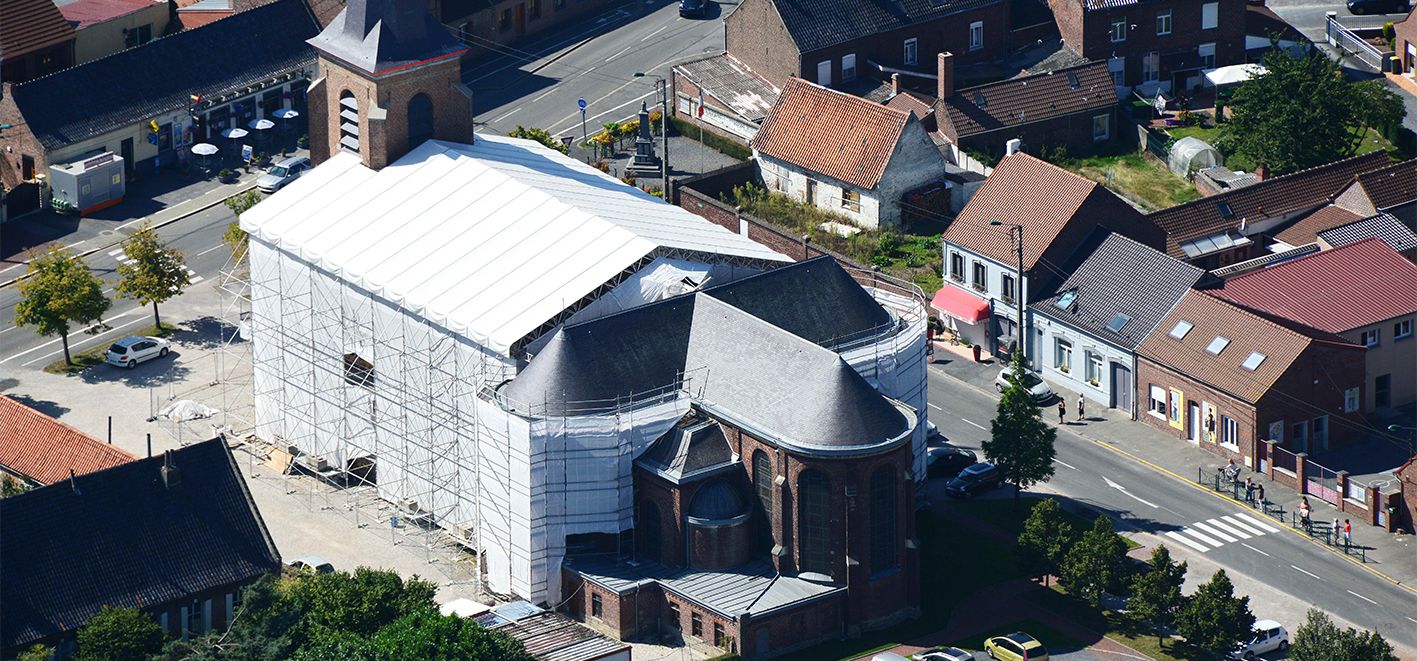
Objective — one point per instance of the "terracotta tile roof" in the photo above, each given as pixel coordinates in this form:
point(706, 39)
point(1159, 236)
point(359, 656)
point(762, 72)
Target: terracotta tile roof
point(1028, 99)
point(839, 135)
point(1306, 230)
point(83, 13)
point(1248, 333)
point(914, 103)
point(44, 449)
point(1271, 197)
point(29, 25)
point(1334, 290)
point(1392, 185)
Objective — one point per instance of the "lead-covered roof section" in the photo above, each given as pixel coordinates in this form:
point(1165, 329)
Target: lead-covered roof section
point(380, 36)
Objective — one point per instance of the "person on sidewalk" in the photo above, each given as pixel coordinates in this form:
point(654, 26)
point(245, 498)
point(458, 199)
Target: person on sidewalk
point(1333, 531)
point(1347, 533)
point(1249, 491)
point(1304, 513)
point(1081, 412)
point(1062, 410)
point(1259, 495)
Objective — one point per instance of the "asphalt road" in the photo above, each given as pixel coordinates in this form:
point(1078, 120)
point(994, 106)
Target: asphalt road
point(197, 236)
point(1308, 17)
point(1142, 498)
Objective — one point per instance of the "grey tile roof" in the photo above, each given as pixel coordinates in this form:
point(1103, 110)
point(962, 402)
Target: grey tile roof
point(815, 300)
point(815, 24)
point(551, 636)
point(124, 539)
point(694, 448)
point(159, 77)
point(728, 80)
point(1122, 276)
point(383, 35)
point(1384, 226)
point(783, 388)
point(754, 588)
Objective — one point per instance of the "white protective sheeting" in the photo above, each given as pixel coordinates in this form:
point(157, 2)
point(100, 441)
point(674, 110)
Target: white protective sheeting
point(489, 239)
point(1233, 74)
point(895, 365)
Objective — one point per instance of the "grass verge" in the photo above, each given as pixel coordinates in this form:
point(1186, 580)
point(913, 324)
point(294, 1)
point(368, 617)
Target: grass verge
point(1004, 514)
point(1119, 627)
point(95, 355)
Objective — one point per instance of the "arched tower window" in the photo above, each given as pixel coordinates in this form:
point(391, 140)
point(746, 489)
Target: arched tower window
point(884, 526)
point(420, 120)
point(348, 122)
point(648, 531)
point(814, 522)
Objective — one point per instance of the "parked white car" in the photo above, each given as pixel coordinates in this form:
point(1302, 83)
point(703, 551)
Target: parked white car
point(943, 654)
point(1040, 390)
point(1268, 636)
point(310, 563)
point(282, 173)
point(134, 349)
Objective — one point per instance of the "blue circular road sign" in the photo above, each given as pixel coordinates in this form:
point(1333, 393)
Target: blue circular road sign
point(581, 103)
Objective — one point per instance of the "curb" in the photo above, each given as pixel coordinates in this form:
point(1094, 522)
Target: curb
point(241, 188)
point(1284, 526)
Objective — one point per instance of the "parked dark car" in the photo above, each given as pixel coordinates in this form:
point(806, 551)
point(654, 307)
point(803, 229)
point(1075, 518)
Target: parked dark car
point(974, 480)
point(1379, 6)
point(947, 461)
point(693, 8)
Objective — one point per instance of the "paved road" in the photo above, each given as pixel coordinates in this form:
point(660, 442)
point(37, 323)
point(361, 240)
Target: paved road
point(198, 237)
point(540, 88)
point(1308, 16)
point(1194, 523)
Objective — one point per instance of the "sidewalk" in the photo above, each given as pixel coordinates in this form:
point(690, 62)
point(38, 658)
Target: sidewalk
point(1392, 556)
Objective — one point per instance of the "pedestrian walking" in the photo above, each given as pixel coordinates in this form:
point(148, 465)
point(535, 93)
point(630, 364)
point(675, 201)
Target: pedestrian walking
point(1334, 530)
point(1259, 495)
point(1081, 411)
point(1062, 410)
point(1249, 491)
point(1304, 513)
point(1347, 533)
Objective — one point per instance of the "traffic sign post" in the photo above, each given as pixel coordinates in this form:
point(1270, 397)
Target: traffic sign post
point(582, 105)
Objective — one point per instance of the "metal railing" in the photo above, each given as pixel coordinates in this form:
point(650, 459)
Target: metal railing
point(1321, 482)
point(1236, 489)
point(1330, 533)
point(1285, 460)
point(1349, 43)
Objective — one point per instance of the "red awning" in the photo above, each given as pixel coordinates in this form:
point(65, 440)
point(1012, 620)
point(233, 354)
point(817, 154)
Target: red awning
point(960, 304)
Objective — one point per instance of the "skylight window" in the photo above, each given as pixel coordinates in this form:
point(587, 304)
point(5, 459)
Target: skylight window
point(1218, 344)
point(1065, 300)
point(979, 100)
point(1253, 362)
point(1118, 322)
point(1225, 210)
point(1182, 327)
point(1073, 81)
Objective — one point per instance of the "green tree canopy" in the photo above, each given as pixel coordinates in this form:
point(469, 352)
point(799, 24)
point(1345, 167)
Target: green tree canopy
point(540, 135)
point(1097, 563)
point(234, 237)
point(60, 292)
point(1020, 443)
point(153, 273)
point(1319, 639)
point(1214, 619)
point(1302, 113)
point(119, 634)
point(1045, 538)
point(1156, 593)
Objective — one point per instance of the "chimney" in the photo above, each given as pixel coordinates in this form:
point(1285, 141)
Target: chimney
point(1262, 172)
point(895, 84)
point(171, 477)
point(945, 76)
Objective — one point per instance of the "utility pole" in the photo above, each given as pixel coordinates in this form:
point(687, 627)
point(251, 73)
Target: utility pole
point(664, 131)
point(1018, 283)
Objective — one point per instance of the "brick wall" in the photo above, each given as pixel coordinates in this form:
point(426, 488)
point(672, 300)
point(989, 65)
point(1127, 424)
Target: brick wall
point(722, 214)
point(17, 141)
point(755, 35)
point(1071, 131)
point(1091, 34)
point(1150, 373)
point(947, 34)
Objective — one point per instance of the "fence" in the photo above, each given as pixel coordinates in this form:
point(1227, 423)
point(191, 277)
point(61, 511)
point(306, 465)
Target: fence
point(1349, 43)
point(1285, 461)
point(1356, 493)
point(1322, 482)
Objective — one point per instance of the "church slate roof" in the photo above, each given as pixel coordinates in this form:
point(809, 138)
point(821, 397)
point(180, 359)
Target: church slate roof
point(694, 448)
point(380, 36)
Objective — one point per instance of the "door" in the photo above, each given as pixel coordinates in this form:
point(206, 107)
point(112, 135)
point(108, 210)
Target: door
point(521, 18)
point(824, 73)
point(1382, 391)
point(1321, 433)
point(1193, 413)
point(1299, 437)
point(1121, 387)
point(811, 191)
point(126, 151)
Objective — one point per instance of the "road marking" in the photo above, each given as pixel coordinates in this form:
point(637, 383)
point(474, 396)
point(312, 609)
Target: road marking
point(1193, 533)
point(1201, 526)
point(936, 408)
point(544, 94)
point(1364, 598)
point(1060, 461)
point(1306, 572)
point(513, 112)
point(975, 424)
point(1259, 524)
point(195, 280)
point(1410, 619)
point(75, 345)
point(58, 339)
point(1182, 539)
point(1255, 550)
point(215, 247)
point(115, 252)
point(661, 29)
point(1133, 496)
point(1221, 525)
point(1235, 522)
point(627, 49)
point(8, 329)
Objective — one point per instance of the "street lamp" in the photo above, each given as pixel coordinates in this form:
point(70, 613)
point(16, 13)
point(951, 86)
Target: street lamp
point(1411, 435)
point(1018, 281)
point(664, 129)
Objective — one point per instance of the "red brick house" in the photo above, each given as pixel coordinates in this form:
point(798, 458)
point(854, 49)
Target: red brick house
point(1154, 44)
point(836, 42)
point(1226, 378)
point(35, 40)
point(37, 449)
point(1407, 484)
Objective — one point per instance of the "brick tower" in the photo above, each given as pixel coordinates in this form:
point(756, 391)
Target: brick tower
point(390, 78)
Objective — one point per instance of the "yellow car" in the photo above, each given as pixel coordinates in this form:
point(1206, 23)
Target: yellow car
point(1017, 646)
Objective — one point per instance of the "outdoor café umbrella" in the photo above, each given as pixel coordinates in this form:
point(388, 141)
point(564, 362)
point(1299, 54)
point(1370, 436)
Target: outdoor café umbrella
point(285, 115)
point(261, 124)
point(234, 133)
point(204, 150)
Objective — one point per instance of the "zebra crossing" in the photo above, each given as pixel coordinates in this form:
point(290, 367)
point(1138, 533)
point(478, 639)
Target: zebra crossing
point(1214, 533)
point(123, 258)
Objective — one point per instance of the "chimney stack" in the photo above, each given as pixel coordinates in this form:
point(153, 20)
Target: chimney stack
point(171, 477)
point(895, 84)
point(1262, 172)
point(945, 76)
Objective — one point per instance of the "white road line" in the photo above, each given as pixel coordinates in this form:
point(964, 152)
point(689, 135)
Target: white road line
point(1255, 550)
point(566, 122)
point(75, 345)
point(544, 94)
point(627, 49)
point(1200, 525)
point(8, 329)
point(1129, 494)
point(1060, 461)
point(646, 37)
point(1410, 619)
point(215, 247)
point(513, 112)
point(1182, 539)
point(195, 280)
point(1364, 598)
point(115, 252)
point(1241, 525)
point(936, 407)
point(1306, 572)
point(1221, 525)
point(1259, 524)
point(975, 424)
point(1193, 533)
point(57, 340)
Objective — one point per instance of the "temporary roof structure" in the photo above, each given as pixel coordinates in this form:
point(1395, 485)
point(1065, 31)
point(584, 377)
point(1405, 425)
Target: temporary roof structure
point(1235, 73)
point(490, 239)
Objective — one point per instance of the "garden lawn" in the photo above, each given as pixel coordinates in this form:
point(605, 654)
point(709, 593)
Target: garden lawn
point(1373, 140)
point(1144, 181)
point(95, 355)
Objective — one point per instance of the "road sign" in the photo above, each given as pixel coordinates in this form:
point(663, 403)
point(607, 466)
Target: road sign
point(580, 103)
point(246, 153)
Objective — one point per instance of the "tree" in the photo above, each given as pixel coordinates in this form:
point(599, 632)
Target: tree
point(10, 486)
point(1319, 639)
point(424, 634)
point(235, 237)
point(37, 652)
point(1096, 564)
point(1214, 619)
point(119, 634)
point(1301, 113)
point(540, 135)
point(1020, 443)
point(1045, 539)
point(153, 273)
point(1156, 592)
point(59, 292)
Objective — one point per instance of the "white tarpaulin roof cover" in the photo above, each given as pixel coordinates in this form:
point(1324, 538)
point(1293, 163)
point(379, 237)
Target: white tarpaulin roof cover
point(490, 239)
point(1235, 73)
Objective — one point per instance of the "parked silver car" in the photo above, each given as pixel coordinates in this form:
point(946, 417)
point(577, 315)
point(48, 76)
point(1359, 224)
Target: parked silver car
point(1040, 390)
point(130, 351)
point(1267, 636)
point(282, 173)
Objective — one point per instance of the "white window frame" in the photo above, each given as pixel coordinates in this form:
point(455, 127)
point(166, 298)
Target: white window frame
point(1117, 67)
point(1094, 367)
point(961, 275)
point(1119, 30)
point(1371, 338)
point(1062, 355)
point(851, 199)
point(1229, 432)
point(1210, 16)
point(1156, 404)
point(1350, 399)
point(1105, 122)
point(1008, 286)
point(824, 73)
point(1163, 23)
point(979, 282)
point(1206, 53)
point(911, 52)
point(1151, 67)
point(1402, 330)
point(976, 35)
point(848, 67)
